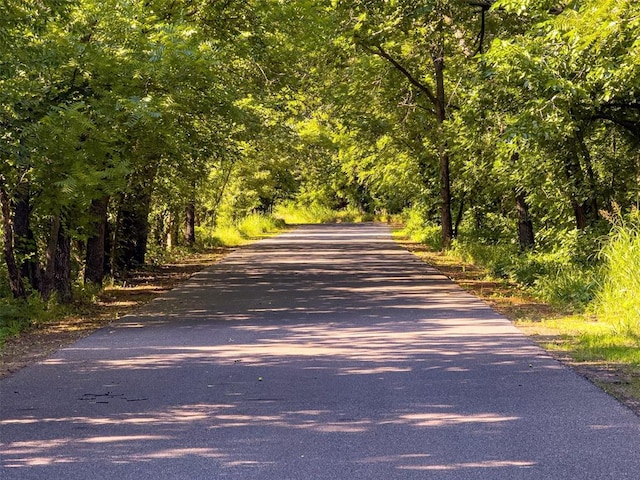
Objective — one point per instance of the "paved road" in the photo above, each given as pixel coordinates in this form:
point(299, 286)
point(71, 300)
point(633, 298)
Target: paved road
point(325, 353)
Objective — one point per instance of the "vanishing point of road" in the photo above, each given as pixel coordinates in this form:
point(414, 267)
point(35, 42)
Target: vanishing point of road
point(325, 353)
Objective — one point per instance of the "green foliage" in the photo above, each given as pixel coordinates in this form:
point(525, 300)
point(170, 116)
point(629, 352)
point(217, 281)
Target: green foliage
point(238, 233)
point(18, 315)
point(420, 230)
point(618, 301)
point(296, 214)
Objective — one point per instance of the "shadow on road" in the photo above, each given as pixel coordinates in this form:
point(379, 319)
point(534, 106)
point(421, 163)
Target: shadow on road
point(325, 353)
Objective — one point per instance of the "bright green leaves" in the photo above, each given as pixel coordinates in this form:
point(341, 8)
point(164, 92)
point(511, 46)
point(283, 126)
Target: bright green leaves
point(234, 106)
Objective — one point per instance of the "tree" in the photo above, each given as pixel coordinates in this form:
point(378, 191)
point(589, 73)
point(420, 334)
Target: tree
point(405, 35)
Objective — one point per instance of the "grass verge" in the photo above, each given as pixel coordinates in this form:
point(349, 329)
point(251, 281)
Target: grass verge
point(234, 234)
point(594, 348)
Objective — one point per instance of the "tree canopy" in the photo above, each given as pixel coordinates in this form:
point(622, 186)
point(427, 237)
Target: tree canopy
point(124, 122)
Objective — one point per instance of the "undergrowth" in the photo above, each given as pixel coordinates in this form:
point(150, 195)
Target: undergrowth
point(564, 273)
point(18, 315)
point(618, 300)
point(295, 214)
point(233, 234)
point(590, 278)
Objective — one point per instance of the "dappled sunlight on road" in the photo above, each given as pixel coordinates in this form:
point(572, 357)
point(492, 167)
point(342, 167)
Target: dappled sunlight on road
point(469, 465)
point(301, 357)
point(171, 424)
point(440, 419)
point(379, 345)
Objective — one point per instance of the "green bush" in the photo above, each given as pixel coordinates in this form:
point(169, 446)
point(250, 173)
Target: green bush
point(421, 231)
point(18, 315)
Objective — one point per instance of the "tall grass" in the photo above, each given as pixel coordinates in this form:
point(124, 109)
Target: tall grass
point(419, 230)
point(294, 214)
point(257, 225)
point(618, 301)
point(233, 234)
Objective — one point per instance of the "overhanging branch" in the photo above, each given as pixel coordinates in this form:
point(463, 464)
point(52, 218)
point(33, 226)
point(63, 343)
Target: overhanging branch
point(381, 52)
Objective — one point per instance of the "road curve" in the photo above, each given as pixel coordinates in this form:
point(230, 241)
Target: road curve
point(325, 353)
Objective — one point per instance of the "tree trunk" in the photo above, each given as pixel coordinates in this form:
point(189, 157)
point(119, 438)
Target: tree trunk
point(47, 283)
point(15, 279)
point(190, 227)
point(582, 194)
point(62, 266)
point(96, 244)
point(132, 228)
point(526, 236)
point(130, 246)
point(445, 179)
point(25, 244)
point(439, 102)
point(581, 208)
point(593, 184)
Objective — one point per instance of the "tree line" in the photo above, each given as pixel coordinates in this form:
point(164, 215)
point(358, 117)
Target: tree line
point(129, 123)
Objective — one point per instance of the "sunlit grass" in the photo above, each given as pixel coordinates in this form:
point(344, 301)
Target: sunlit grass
point(294, 214)
point(234, 234)
point(256, 225)
point(598, 349)
point(618, 301)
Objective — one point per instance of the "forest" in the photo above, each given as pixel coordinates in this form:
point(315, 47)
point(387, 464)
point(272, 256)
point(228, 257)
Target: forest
point(503, 131)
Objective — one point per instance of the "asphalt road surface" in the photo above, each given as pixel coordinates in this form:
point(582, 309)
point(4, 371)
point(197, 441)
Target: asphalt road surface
point(325, 353)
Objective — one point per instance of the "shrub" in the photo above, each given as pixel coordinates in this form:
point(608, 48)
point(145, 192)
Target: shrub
point(421, 231)
point(18, 315)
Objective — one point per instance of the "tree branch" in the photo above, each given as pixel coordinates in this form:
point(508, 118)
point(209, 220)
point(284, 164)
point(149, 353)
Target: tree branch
point(415, 82)
point(481, 35)
point(631, 126)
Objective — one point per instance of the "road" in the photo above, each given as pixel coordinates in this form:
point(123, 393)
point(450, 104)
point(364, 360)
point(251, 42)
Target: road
point(325, 353)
